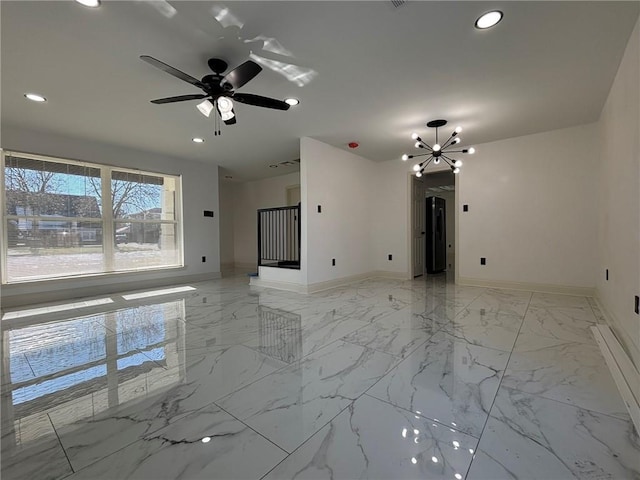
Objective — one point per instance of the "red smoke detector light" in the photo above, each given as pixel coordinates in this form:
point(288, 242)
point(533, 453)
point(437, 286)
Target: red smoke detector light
point(353, 145)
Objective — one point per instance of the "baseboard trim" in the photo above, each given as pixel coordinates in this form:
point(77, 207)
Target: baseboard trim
point(624, 374)
point(391, 275)
point(287, 286)
point(329, 284)
point(534, 287)
point(627, 344)
point(338, 282)
point(63, 294)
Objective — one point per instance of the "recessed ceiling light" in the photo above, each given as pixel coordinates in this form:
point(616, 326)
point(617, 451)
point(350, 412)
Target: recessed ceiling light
point(197, 140)
point(89, 3)
point(292, 101)
point(35, 97)
point(489, 19)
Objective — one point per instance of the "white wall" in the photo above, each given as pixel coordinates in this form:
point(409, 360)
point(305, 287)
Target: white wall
point(343, 184)
point(531, 210)
point(226, 199)
point(619, 200)
point(248, 198)
point(199, 192)
point(390, 217)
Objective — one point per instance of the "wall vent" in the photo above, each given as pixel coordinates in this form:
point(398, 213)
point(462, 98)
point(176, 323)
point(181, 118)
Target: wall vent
point(398, 3)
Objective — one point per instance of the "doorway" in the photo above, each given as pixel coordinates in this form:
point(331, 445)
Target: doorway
point(293, 195)
point(436, 184)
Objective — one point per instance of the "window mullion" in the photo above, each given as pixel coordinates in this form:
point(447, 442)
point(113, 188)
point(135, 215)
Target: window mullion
point(108, 235)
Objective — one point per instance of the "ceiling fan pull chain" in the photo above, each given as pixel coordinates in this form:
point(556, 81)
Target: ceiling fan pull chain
point(215, 118)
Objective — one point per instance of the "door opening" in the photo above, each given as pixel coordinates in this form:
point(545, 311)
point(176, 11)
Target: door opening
point(440, 184)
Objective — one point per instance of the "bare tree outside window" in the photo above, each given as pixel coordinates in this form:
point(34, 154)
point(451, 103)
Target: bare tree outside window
point(55, 219)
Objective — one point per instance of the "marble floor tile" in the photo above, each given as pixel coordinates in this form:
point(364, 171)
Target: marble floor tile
point(509, 302)
point(532, 437)
point(396, 334)
point(382, 378)
point(573, 373)
point(31, 449)
point(486, 329)
point(209, 443)
point(290, 405)
point(289, 337)
point(600, 318)
point(375, 440)
point(446, 380)
point(554, 300)
point(547, 326)
point(204, 376)
point(17, 368)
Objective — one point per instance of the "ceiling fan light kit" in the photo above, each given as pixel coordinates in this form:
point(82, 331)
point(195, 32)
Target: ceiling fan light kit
point(438, 152)
point(219, 91)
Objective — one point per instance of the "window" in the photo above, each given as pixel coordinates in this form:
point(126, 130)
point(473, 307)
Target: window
point(64, 218)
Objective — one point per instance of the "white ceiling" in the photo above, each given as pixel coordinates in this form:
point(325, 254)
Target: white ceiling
point(378, 72)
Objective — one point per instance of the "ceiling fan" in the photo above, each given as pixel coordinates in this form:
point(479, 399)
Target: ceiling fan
point(219, 90)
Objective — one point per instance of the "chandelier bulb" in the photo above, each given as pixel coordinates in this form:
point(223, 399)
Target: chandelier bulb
point(457, 163)
point(436, 147)
point(418, 174)
point(405, 157)
point(472, 151)
point(457, 140)
point(436, 161)
point(456, 170)
point(418, 145)
point(458, 129)
point(416, 167)
point(415, 136)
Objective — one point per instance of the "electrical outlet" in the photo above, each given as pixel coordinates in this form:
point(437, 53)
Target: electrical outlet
point(465, 208)
point(390, 257)
point(204, 259)
point(208, 213)
point(333, 262)
point(319, 208)
point(483, 261)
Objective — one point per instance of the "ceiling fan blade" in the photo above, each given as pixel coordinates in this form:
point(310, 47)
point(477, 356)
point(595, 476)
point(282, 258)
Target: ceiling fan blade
point(260, 101)
point(242, 74)
point(172, 71)
point(180, 98)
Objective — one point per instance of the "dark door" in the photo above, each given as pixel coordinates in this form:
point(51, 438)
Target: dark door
point(436, 252)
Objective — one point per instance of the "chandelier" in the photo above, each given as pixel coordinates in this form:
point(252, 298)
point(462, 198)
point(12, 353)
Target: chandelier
point(438, 152)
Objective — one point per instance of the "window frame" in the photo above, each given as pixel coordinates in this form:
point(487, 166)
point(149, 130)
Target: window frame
point(107, 220)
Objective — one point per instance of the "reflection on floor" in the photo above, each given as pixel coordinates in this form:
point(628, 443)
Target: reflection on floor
point(382, 379)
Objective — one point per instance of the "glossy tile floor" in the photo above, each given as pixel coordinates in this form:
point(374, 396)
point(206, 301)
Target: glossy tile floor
point(382, 379)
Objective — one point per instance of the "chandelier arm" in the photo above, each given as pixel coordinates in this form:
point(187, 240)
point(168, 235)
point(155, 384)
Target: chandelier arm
point(426, 162)
point(426, 144)
point(455, 151)
point(448, 142)
point(447, 160)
